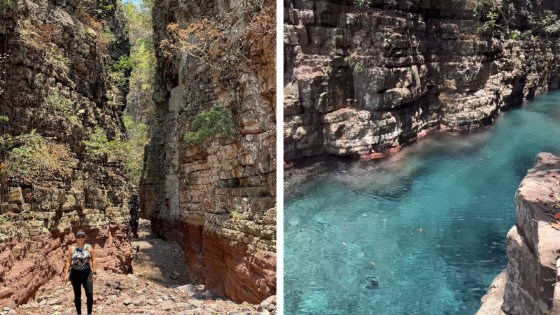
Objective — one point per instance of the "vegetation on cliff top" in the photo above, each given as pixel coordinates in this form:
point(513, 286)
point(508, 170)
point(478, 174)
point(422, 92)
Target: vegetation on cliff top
point(228, 52)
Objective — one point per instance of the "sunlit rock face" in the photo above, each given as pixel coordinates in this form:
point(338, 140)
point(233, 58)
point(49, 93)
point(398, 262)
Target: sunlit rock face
point(361, 80)
point(217, 198)
point(531, 285)
point(57, 83)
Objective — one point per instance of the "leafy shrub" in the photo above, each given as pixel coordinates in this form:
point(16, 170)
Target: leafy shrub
point(61, 106)
point(98, 146)
point(30, 156)
point(129, 152)
point(353, 62)
point(362, 3)
point(235, 216)
point(125, 64)
point(551, 23)
point(59, 103)
point(491, 18)
point(215, 121)
point(121, 69)
point(481, 8)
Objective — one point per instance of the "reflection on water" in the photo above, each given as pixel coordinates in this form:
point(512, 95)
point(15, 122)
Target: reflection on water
point(421, 232)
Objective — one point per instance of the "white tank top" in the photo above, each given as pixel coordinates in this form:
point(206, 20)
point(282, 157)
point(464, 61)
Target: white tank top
point(81, 257)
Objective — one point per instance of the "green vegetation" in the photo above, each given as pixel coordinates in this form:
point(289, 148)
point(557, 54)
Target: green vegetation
point(235, 216)
point(353, 62)
point(3, 219)
point(29, 157)
point(59, 103)
point(99, 9)
point(62, 106)
point(481, 8)
point(362, 3)
point(142, 62)
point(121, 70)
point(63, 62)
point(551, 23)
point(125, 64)
point(491, 19)
point(137, 139)
point(216, 121)
point(98, 145)
point(129, 152)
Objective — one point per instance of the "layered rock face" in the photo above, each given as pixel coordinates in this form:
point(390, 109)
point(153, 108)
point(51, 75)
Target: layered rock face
point(57, 83)
point(364, 79)
point(530, 283)
point(217, 198)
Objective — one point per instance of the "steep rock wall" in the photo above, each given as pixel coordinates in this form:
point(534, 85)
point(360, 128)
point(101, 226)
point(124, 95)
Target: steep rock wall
point(55, 80)
point(364, 80)
point(216, 199)
point(530, 283)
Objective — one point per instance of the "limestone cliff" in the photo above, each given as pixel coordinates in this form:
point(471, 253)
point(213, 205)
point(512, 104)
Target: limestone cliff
point(215, 195)
point(530, 283)
point(365, 77)
point(56, 90)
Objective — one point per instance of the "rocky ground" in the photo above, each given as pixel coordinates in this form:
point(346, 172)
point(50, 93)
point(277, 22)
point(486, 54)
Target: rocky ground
point(156, 287)
point(157, 260)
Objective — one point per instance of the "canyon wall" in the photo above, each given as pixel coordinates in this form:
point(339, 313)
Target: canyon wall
point(215, 197)
point(56, 89)
point(530, 283)
point(363, 78)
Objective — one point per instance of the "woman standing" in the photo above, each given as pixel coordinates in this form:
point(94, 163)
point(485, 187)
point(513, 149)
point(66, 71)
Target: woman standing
point(82, 261)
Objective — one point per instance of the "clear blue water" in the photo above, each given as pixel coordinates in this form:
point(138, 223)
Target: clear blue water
point(458, 189)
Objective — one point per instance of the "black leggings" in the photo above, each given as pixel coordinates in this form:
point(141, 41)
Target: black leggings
point(79, 278)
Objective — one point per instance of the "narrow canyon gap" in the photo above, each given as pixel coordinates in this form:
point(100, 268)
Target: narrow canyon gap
point(77, 108)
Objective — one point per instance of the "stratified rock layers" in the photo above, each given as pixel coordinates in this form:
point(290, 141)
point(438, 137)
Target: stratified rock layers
point(57, 83)
point(361, 80)
point(217, 199)
point(533, 248)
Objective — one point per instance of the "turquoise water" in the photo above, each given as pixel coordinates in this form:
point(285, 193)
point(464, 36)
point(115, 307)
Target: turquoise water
point(458, 189)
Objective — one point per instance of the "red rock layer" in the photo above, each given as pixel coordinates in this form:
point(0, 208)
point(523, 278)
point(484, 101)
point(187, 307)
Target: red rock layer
point(26, 265)
point(225, 267)
point(59, 86)
point(215, 198)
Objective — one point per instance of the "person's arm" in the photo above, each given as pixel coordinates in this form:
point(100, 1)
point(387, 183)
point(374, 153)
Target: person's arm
point(93, 262)
point(68, 262)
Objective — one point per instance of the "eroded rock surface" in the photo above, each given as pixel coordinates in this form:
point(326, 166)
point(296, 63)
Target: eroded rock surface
point(120, 294)
point(57, 83)
point(362, 80)
point(533, 247)
point(216, 199)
